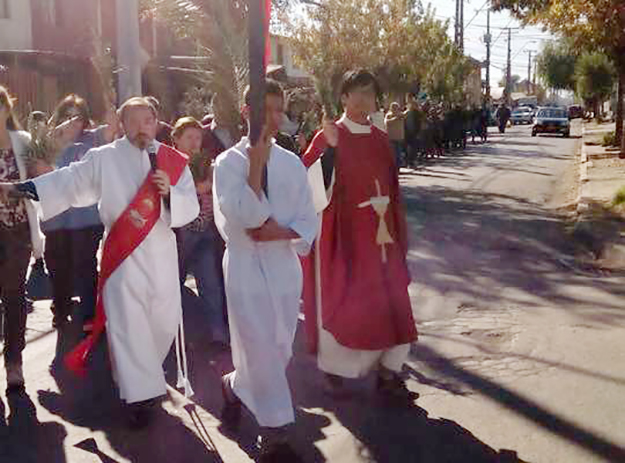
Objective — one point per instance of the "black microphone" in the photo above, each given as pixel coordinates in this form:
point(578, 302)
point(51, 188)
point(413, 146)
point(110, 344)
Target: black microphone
point(152, 155)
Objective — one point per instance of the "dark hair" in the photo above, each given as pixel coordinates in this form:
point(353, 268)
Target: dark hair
point(154, 102)
point(272, 87)
point(71, 101)
point(6, 100)
point(359, 78)
point(183, 124)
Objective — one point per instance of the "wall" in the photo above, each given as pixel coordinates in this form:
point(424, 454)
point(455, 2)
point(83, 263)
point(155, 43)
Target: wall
point(16, 32)
point(292, 71)
point(69, 26)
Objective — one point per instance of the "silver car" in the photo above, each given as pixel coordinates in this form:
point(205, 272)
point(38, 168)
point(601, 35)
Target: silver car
point(521, 116)
point(552, 120)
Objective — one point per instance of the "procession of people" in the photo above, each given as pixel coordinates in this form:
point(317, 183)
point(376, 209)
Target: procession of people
point(321, 232)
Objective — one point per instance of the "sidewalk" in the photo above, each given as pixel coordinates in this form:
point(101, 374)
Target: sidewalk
point(602, 174)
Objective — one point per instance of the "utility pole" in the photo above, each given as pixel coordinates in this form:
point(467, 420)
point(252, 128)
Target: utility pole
point(529, 72)
point(462, 26)
point(128, 49)
point(488, 39)
point(459, 25)
point(508, 89)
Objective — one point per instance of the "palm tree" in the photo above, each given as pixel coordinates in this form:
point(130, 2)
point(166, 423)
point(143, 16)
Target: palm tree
point(217, 28)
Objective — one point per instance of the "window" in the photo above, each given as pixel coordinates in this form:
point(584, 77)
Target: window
point(58, 13)
point(4, 9)
point(55, 12)
point(280, 51)
point(98, 13)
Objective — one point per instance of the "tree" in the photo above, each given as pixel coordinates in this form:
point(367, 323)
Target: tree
point(594, 76)
point(599, 24)
point(398, 41)
point(214, 29)
point(556, 65)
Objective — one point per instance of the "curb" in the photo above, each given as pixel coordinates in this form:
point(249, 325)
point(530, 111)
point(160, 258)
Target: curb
point(583, 203)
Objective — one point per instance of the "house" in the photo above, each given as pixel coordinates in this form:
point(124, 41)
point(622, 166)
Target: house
point(282, 62)
point(15, 25)
point(473, 83)
point(46, 48)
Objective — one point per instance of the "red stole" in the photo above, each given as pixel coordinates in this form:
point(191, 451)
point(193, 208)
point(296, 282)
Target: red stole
point(126, 234)
point(364, 284)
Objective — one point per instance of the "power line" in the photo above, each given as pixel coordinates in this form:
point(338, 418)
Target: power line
point(502, 32)
point(476, 13)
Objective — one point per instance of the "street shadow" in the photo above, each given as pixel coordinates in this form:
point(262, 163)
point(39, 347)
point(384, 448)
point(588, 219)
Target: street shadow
point(376, 431)
point(515, 402)
point(474, 244)
point(454, 389)
point(23, 438)
point(93, 403)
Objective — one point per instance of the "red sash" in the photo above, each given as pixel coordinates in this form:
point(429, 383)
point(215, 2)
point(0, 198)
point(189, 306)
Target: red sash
point(126, 234)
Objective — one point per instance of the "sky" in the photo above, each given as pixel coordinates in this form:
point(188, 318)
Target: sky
point(523, 40)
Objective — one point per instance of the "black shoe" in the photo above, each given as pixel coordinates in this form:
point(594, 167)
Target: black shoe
point(231, 411)
point(15, 376)
point(140, 414)
point(273, 447)
point(335, 387)
point(394, 388)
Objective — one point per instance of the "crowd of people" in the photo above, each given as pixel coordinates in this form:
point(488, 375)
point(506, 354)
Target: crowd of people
point(131, 207)
point(426, 130)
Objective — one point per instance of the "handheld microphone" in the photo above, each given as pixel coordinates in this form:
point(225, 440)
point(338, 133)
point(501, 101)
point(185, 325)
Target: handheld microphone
point(152, 156)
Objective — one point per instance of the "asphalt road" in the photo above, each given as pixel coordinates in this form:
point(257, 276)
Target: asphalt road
point(521, 355)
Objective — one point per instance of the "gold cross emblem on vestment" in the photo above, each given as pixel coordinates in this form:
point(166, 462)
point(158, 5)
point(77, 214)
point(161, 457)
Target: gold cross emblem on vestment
point(380, 205)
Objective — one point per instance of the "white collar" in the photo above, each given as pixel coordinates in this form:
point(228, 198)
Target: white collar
point(245, 141)
point(124, 140)
point(354, 127)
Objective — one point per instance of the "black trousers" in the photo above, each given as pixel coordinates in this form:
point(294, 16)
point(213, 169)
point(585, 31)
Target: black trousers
point(15, 250)
point(71, 259)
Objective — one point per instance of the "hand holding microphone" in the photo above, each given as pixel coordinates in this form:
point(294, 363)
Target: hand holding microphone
point(159, 177)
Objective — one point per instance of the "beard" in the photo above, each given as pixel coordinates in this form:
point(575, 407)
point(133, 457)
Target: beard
point(141, 141)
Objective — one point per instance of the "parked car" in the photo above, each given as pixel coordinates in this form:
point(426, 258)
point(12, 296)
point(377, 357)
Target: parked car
point(521, 115)
point(576, 111)
point(552, 120)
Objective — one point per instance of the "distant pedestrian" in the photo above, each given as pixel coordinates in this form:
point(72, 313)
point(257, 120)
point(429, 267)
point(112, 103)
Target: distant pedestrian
point(503, 116)
point(395, 126)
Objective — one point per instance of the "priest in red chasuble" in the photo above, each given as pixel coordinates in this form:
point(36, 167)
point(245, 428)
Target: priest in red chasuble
point(358, 312)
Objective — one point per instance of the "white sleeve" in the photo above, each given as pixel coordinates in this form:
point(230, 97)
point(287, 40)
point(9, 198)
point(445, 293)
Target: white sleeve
point(236, 200)
point(320, 195)
point(306, 221)
point(183, 203)
point(77, 185)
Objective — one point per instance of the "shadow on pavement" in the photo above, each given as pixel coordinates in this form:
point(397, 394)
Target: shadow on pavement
point(520, 405)
point(475, 244)
point(93, 403)
point(377, 431)
point(23, 438)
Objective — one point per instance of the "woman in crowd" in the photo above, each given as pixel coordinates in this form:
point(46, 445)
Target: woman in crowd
point(73, 238)
point(19, 236)
point(199, 243)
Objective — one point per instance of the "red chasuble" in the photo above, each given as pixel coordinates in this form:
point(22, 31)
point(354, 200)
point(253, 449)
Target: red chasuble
point(126, 234)
point(362, 249)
